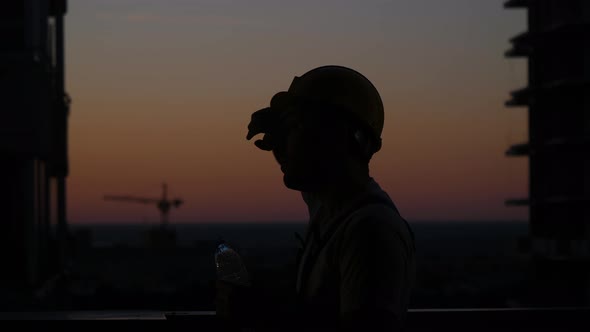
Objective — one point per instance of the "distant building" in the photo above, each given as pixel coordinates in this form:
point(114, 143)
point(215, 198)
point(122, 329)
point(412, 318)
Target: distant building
point(557, 48)
point(33, 144)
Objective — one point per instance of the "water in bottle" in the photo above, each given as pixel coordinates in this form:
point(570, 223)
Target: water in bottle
point(230, 267)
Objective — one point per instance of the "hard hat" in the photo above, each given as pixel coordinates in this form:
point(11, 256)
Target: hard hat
point(332, 87)
point(345, 89)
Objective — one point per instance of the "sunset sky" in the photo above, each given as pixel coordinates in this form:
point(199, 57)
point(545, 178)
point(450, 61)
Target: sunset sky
point(164, 90)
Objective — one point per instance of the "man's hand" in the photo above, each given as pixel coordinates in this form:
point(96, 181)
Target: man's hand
point(234, 303)
point(223, 298)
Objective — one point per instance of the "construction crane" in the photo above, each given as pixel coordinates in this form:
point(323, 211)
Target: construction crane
point(163, 204)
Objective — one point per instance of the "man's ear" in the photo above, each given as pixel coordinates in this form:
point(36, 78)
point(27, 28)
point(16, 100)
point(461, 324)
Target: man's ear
point(362, 143)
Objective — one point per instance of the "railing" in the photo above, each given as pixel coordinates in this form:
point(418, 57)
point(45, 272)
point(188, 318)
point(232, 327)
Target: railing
point(457, 320)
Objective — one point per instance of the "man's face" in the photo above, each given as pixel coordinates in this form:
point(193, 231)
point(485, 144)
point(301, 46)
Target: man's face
point(312, 150)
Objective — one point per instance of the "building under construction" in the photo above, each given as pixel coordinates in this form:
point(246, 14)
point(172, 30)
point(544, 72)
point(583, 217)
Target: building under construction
point(557, 49)
point(33, 148)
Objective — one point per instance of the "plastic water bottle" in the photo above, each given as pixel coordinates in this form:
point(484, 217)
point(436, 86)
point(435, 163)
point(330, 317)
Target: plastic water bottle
point(230, 267)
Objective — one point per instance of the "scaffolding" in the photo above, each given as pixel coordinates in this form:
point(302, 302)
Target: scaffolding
point(558, 100)
point(33, 143)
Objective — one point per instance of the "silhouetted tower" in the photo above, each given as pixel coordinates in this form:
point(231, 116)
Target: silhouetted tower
point(163, 204)
point(34, 110)
point(557, 48)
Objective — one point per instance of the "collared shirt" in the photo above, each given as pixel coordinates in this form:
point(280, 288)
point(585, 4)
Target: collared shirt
point(359, 255)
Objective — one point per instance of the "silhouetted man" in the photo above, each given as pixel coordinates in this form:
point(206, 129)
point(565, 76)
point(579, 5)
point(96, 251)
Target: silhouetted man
point(357, 262)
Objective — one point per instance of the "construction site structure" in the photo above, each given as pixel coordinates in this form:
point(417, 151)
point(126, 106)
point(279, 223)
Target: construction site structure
point(558, 148)
point(164, 235)
point(33, 146)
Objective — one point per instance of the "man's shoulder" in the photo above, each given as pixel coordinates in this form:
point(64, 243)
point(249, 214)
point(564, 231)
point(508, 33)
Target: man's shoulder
point(378, 220)
point(377, 214)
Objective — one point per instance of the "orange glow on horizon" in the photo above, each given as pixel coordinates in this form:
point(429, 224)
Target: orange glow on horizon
point(170, 100)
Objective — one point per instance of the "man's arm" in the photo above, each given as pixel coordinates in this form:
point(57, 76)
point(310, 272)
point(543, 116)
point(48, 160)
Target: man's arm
point(375, 258)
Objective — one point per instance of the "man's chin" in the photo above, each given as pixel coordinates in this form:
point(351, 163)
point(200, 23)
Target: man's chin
point(292, 183)
point(301, 184)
